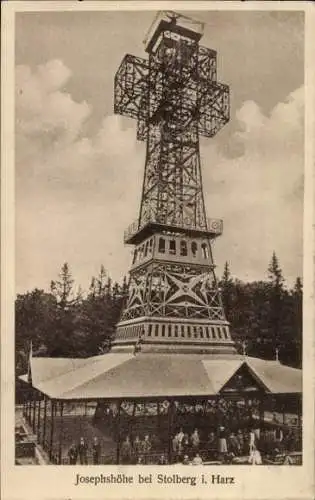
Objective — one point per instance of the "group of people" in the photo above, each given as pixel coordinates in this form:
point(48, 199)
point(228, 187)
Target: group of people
point(79, 452)
point(184, 444)
point(220, 444)
point(224, 445)
point(148, 450)
point(137, 450)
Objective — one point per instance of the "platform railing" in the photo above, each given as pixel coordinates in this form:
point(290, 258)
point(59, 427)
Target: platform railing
point(214, 226)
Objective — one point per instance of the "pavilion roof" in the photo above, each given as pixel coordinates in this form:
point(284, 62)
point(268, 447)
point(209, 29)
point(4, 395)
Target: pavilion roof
point(124, 375)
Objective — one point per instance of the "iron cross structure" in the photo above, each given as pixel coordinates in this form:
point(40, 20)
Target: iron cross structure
point(174, 302)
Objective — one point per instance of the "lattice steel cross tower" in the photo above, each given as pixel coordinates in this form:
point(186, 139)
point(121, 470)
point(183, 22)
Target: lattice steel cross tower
point(174, 303)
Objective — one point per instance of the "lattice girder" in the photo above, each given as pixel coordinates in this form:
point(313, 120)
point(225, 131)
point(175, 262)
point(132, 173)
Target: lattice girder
point(181, 89)
point(175, 97)
point(168, 289)
point(130, 85)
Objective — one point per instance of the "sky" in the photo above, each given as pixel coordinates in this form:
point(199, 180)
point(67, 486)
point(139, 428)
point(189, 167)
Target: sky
point(79, 167)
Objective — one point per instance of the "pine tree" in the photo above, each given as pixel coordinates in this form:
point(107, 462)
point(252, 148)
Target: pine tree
point(98, 314)
point(34, 313)
point(62, 289)
point(298, 287)
point(275, 273)
point(67, 338)
point(298, 320)
point(226, 285)
point(276, 309)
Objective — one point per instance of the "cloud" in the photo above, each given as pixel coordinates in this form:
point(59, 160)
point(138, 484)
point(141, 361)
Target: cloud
point(71, 188)
point(260, 193)
point(283, 128)
point(78, 191)
point(43, 108)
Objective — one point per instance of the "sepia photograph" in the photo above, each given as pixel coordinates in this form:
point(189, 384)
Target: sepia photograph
point(178, 362)
point(159, 222)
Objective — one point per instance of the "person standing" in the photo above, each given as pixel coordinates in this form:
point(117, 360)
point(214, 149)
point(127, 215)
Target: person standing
point(146, 445)
point(252, 441)
point(126, 451)
point(137, 448)
point(240, 439)
point(155, 441)
point(180, 435)
point(222, 445)
point(212, 446)
point(185, 445)
point(278, 438)
point(82, 451)
point(96, 451)
point(233, 444)
point(73, 454)
point(195, 440)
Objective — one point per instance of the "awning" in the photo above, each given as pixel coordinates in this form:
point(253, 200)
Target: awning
point(145, 375)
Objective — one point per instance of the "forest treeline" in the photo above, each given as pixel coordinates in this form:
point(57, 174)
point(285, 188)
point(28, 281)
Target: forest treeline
point(264, 316)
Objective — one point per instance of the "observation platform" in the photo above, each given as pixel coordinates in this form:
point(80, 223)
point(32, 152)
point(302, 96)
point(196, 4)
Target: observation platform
point(136, 233)
point(177, 23)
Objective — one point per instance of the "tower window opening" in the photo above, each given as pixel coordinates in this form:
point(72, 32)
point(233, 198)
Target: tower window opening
point(194, 248)
point(146, 249)
point(169, 330)
point(140, 255)
point(212, 332)
point(163, 330)
point(150, 331)
point(150, 245)
point(201, 332)
point(189, 331)
point(182, 330)
point(172, 247)
point(161, 245)
point(156, 330)
point(183, 248)
point(135, 256)
point(207, 332)
point(176, 331)
point(205, 251)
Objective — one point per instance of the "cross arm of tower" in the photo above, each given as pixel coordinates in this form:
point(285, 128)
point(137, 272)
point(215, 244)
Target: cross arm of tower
point(139, 93)
point(131, 85)
point(213, 107)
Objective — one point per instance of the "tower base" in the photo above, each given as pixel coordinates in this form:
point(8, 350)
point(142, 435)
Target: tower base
point(171, 335)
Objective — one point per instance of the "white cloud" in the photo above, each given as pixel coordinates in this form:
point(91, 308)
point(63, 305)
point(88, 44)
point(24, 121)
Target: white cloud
point(43, 107)
point(259, 193)
point(71, 189)
point(76, 193)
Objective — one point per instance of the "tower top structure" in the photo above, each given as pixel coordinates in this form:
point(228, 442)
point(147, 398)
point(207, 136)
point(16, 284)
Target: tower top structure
point(177, 23)
point(174, 301)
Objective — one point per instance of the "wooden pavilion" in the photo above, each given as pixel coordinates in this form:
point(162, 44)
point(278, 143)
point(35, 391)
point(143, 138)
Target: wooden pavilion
point(124, 394)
